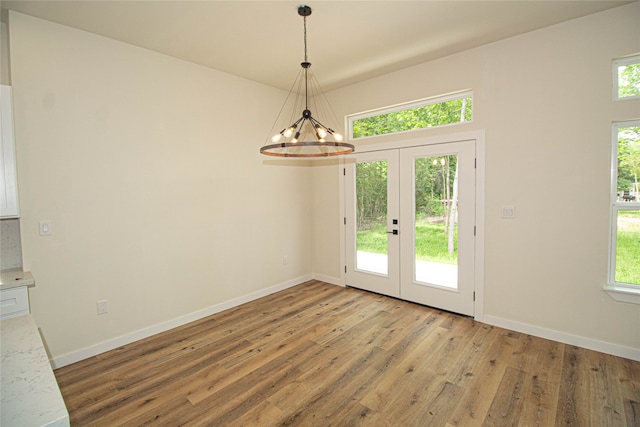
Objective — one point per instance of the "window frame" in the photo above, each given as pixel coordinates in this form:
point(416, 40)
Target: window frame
point(409, 106)
point(624, 292)
point(617, 63)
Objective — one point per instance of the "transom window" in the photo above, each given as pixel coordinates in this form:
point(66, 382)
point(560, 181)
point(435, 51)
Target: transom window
point(424, 113)
point(624, 265)
point(626, 77)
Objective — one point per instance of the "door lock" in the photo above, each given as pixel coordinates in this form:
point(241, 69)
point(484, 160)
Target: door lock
point(395, 222)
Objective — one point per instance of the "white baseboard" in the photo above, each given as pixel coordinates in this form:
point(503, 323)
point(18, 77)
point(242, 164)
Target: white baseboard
point(563, 337)
point(328, 279)
point(580, 341)
point(85, 353)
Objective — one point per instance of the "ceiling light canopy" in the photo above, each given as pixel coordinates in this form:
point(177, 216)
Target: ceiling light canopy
point(302, 134)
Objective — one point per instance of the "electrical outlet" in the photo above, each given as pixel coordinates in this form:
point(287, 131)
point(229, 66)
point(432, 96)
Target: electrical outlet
point(285, 260)
point(102, 306)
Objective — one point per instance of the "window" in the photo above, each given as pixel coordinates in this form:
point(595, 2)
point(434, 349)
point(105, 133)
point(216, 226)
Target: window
point(624, 256)
point(425, 113)
point(626, 77)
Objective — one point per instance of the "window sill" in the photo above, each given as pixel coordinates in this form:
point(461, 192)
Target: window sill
point(624, 293)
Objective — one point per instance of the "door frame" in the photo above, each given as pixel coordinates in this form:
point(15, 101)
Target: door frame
point(479, 137)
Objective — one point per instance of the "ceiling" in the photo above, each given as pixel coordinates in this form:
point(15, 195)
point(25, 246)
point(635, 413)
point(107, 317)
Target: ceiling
point(348, 41)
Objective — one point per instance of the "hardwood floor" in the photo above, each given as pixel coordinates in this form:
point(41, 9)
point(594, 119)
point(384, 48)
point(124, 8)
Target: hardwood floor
point(320, 355)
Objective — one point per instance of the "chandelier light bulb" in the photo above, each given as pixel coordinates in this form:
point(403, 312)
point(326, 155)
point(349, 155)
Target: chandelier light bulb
point(277, 137)
point(337, 136)
point(289, 132)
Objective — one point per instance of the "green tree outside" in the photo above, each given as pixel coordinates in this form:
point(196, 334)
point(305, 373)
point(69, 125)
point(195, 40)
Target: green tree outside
point(448, 112)
point(629, 161)
point(629, 80)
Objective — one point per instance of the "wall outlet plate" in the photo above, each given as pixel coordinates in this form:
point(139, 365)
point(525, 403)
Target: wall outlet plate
point(102, 306)
point(508, 212)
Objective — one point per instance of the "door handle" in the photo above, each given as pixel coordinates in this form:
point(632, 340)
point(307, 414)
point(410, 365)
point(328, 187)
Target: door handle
point(392, 232)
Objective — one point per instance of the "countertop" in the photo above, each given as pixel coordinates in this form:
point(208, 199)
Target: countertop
point(30, 393)
point(14, 278)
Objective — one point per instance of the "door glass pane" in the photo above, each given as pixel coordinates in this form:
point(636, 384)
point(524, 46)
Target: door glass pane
point(436, 220)
point(371, 217)
point(628, 247)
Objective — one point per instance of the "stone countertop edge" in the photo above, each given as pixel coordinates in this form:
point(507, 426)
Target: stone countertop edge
point(30, 393)
point(14, 278)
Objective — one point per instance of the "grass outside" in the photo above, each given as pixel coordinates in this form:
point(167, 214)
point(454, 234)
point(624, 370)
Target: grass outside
point(431, 244)
point(628, 247)
point(431, 241)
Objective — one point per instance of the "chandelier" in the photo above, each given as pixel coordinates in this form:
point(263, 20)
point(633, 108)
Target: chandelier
point(304, 135)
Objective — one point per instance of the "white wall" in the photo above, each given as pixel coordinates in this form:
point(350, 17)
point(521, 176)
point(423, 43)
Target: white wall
point(544, 100)
point(148, 168)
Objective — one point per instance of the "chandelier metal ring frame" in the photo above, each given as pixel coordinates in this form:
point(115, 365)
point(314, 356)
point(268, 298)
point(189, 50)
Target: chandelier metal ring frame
point(292, 140)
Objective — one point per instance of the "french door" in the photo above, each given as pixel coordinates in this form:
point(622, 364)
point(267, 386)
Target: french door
point(410, 224)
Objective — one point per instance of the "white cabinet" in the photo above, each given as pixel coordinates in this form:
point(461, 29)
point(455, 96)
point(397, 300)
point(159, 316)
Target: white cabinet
point(8, 177)
point(14, 295)
point(14, 302)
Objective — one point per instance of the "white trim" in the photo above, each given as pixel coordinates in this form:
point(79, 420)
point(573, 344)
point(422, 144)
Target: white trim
point(478, 313)
point(620, 62)
point(338, 281)
point(621, 292)
point(563, 337)
point(84, 353)
point(630, 294)
point(414, 142)
point(343, 227)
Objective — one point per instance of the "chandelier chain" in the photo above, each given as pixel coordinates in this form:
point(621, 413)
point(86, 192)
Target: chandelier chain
point(305, 39)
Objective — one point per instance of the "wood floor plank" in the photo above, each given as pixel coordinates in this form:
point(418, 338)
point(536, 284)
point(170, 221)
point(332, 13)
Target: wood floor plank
point(628, 374)
point(439, 403)
point(473, 353)
point(506, 408)
point(322, 355)
point(455, 337)
point(629, 377)
point(632, 412)
point(539, 359)
point(483, 378)
point(355, 415)
point(382, 396)
point(574, 397)
point(606, 394)
point(540, 399)
point(262, 414)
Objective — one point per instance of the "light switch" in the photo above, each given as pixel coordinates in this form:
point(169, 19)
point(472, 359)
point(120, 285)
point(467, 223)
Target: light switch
point(508, 212)
point(45, 228)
